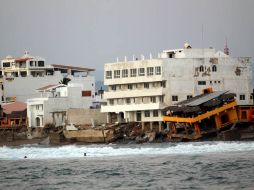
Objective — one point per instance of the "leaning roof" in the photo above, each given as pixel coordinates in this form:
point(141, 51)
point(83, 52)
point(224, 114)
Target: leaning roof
point(50, 87)
point(71, 67)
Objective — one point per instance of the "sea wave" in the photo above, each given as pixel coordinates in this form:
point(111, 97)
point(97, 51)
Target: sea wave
point(76, 151)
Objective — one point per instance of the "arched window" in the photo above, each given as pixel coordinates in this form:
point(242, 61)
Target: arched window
point(201, 68)
point(37, 121)
point(214, 68)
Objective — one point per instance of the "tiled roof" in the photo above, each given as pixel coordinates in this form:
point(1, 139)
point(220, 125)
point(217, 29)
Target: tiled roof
point(21, 59)
point(71, 67)
point(15, 106)
point(46, 87)
point(49, 87)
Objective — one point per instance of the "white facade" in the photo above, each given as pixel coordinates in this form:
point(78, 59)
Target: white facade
point(23, 75)
point(54, 102)
point(139, 89)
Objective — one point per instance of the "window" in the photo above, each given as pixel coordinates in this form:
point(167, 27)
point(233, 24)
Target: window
point(86, 93)
point(158, 70)
point(125, 73)
point(111, 102)
point(174, 98)
point(37, 119)
point(146, 85)
point(6, 64)
point(113, 87)
point(189, 97)
point(128, 100)
point(40, 63)
point(116, 73)
point(201, 68)
point(251, 96)
point(147, 113)
point(153, 99)
point(31, 63)
point(218, 81)
point(149, 71)
point(161, 98)
point(130, 86)
point(141, 71)
point(163, 84)
point(108, 74)
point(155, 113)
point(133, 72)
point(242, 97)
point(244, 114)
point(201, 82)
point(214, 68)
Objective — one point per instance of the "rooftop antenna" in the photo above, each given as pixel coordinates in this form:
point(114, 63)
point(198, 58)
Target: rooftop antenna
point(226, 49)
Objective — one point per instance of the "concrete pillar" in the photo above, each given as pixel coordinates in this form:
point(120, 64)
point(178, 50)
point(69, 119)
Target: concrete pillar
point(151, 126)
point(143, 126)
point(168, 125)
point(108, 118)
point(160, 129)
point(119, 119)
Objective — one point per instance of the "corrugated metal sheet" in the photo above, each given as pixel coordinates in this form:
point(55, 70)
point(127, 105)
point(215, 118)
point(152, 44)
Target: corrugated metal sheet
point(205, 98)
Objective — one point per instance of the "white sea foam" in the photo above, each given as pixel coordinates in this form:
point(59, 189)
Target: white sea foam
point(75, 151)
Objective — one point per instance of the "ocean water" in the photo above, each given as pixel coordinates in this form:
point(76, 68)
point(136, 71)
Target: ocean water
point(200, 165)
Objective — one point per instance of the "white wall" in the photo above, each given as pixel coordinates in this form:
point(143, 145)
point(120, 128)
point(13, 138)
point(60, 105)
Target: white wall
point(24, 88)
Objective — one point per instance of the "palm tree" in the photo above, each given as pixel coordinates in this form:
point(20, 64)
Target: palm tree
point(65, 80)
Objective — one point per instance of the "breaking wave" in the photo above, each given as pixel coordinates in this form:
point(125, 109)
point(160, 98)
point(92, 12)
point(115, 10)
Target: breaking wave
point(76, 151)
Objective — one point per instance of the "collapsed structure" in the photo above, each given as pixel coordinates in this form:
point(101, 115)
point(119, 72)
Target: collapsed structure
point(207, 115)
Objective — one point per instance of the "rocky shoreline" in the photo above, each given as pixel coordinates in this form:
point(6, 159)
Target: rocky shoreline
point(115, 133)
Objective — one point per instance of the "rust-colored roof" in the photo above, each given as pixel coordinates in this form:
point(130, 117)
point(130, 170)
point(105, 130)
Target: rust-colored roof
point(46, 87)
point(71, 67)
point(15, 106)
point(21, 59)
point(49, 87)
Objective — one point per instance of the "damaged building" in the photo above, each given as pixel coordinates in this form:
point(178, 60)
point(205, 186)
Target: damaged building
point(139, 89)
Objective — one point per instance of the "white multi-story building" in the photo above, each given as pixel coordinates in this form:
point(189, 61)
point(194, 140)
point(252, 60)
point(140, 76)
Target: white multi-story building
point(51, 107)
point(23, 75)
point(138, 90)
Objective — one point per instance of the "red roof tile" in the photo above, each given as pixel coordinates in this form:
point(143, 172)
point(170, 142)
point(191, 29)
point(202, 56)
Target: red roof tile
point(46, 87)
point(21, 59)
point(71, 67)
point(15, 106)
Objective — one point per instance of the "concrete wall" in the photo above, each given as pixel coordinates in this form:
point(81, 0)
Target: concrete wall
point(84, 116)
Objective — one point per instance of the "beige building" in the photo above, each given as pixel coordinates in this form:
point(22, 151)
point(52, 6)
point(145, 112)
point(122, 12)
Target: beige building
point(139, 89)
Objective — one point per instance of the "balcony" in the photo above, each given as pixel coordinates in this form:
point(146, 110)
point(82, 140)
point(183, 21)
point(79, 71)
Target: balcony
point(134, 93)
point(132, 107)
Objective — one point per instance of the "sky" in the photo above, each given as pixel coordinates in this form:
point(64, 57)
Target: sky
point(90, 33)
